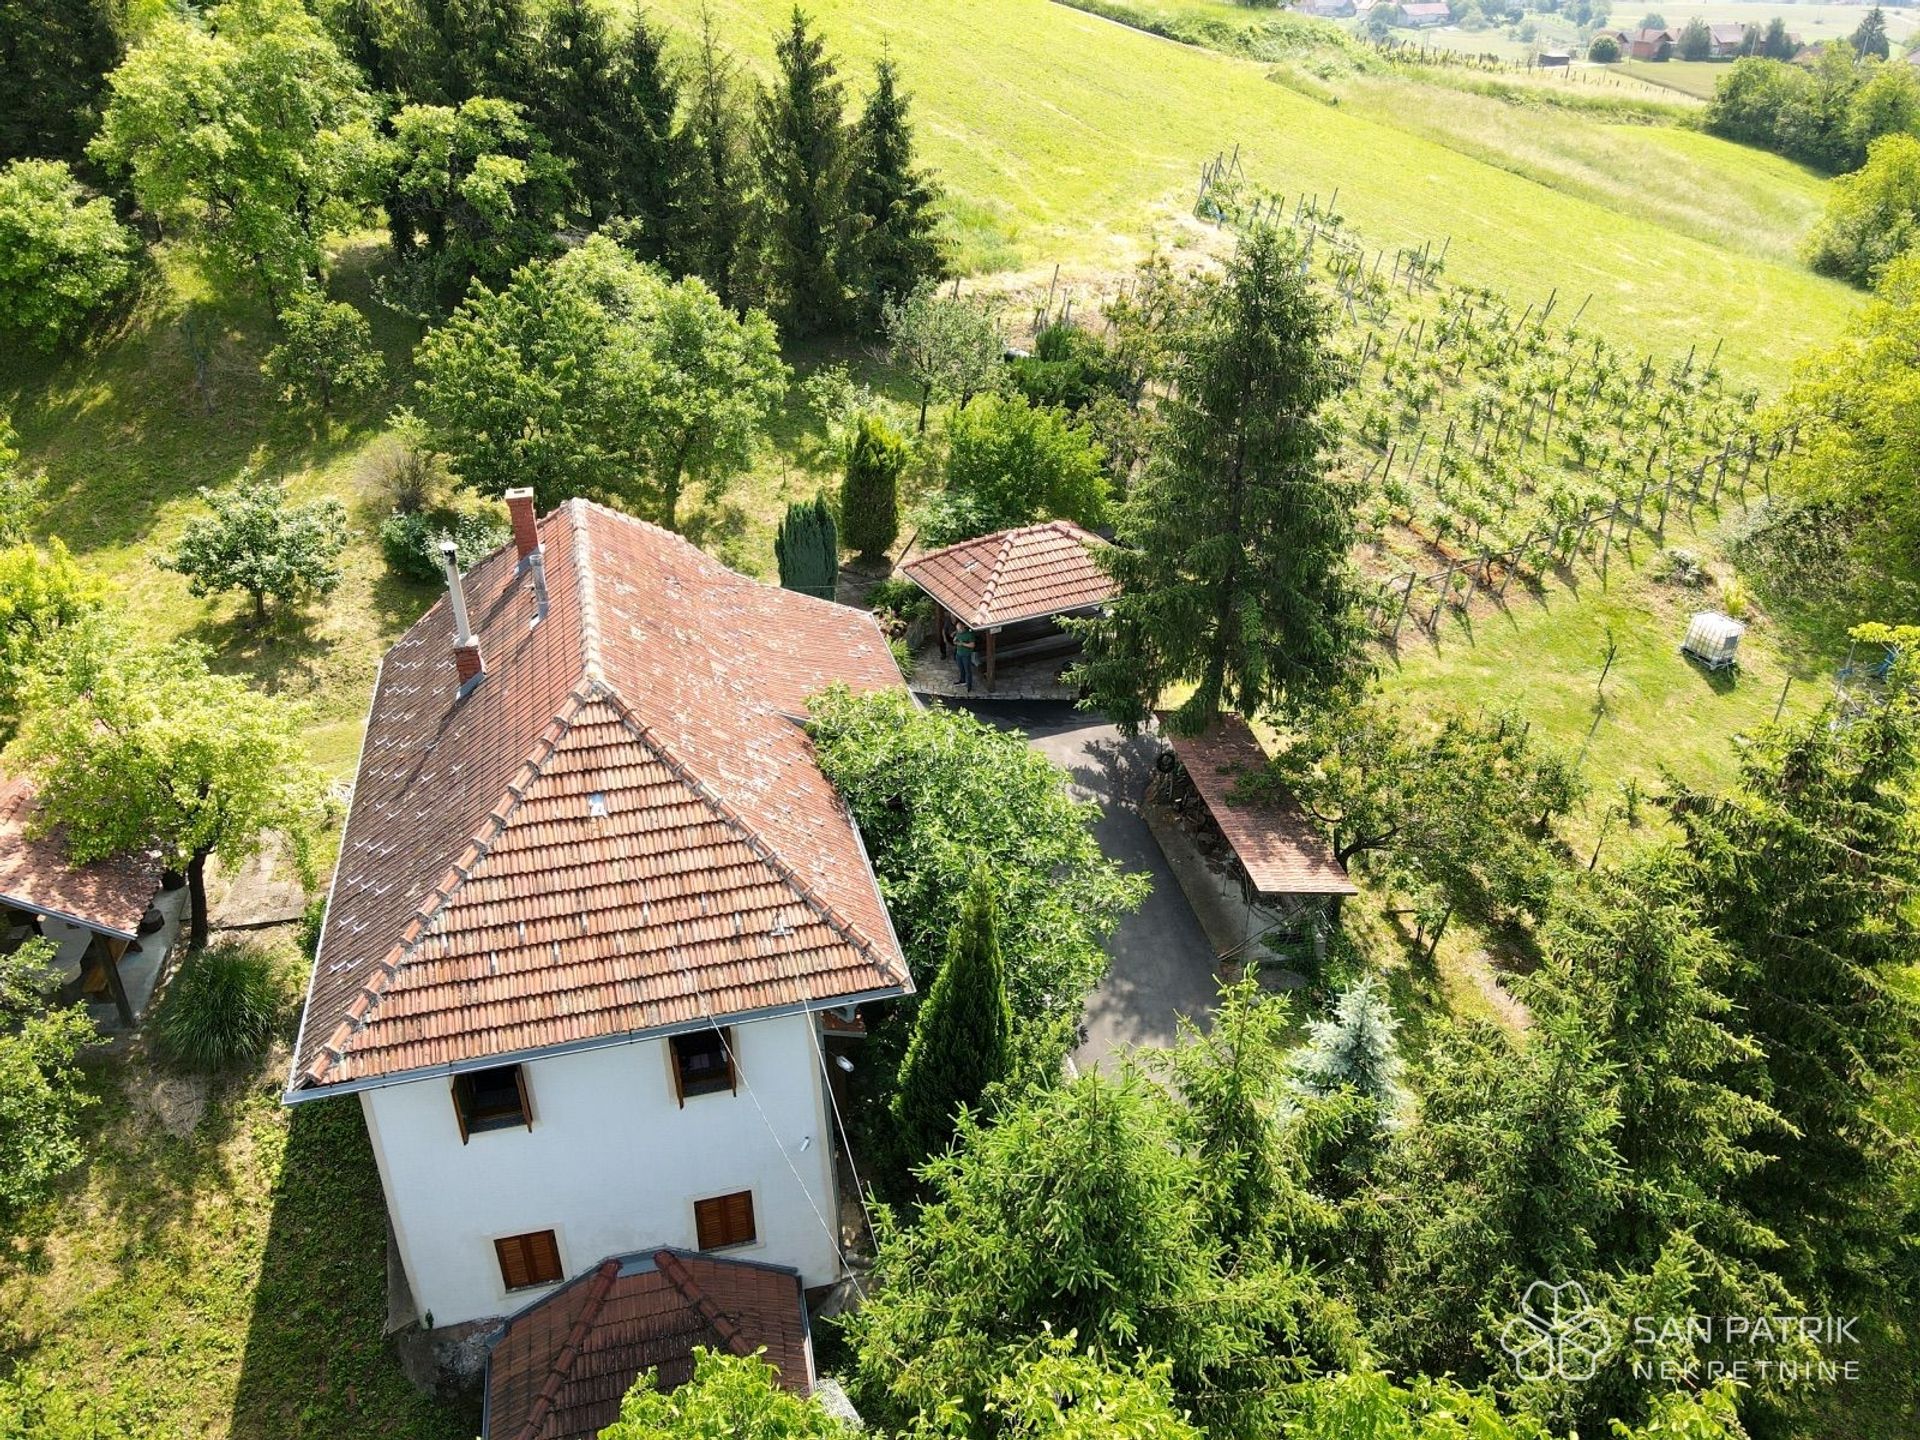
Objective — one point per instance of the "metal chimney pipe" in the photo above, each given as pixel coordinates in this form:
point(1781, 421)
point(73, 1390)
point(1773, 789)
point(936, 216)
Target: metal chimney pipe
point(456, 592)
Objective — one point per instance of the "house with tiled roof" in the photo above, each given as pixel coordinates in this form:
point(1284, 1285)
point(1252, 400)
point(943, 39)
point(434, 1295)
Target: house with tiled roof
point(1012, 588)
point(593, 902)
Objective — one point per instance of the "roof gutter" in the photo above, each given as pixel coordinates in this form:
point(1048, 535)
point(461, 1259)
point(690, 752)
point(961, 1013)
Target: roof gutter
point(296, 1096)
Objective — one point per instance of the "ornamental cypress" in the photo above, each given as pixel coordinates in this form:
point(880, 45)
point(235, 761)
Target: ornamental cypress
point(963, 1035)
point(808, 549)
point(803, 150)
point(870, 499)
point(892, 202)
point(1232, 559)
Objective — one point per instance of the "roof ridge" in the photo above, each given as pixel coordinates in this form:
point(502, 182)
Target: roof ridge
point(371, 992)
point(718, 1320)
point(588, 600)
point(740, 825)
point(999, 568)
point(603, 1278)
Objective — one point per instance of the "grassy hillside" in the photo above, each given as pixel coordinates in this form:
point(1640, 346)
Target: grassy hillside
point(1065, 137)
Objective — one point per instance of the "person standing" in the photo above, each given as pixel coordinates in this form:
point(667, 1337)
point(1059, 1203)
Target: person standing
point(965, 646)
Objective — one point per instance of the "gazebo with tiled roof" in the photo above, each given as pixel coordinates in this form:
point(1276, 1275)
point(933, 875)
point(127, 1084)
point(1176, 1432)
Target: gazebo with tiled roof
point(1013, 587)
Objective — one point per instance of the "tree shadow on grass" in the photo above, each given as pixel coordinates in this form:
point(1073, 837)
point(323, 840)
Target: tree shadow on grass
point(315, 1364)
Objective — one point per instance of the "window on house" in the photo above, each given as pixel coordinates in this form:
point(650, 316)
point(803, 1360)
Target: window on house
point(703, 1062)
point(493, 1099)
point(528, 1260)
point(724, 1220)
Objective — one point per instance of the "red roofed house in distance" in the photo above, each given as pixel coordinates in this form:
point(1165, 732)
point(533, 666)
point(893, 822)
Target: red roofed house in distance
point(593, 902)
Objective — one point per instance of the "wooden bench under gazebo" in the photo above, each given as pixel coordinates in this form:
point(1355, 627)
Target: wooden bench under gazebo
point(1281, 860)
point(1012, 588)
point(94, 914)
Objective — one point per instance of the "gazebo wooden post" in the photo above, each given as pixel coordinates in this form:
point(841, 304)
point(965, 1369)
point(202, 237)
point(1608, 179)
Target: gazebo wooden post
point(107, 953)
point(993, 637)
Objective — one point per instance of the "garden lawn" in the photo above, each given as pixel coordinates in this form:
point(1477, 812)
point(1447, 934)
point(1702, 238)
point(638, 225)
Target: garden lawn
point(1065, 137)
point(230, 1282)
point(1687, 77)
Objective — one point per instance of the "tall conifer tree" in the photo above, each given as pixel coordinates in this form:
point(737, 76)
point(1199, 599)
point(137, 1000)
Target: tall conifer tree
point(892, 201)
point(713, 211)
point(803, 151)
point(963, 1035)
point(653, 159)
point(1232, 561)
point(576, 103)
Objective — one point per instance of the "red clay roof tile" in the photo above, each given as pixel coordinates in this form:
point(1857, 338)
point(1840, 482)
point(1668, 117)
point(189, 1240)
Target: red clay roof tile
point(1015, 574)
point(108, 896)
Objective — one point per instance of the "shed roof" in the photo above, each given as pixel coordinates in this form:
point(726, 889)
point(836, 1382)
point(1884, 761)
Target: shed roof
point(558, 1369)
point(106, 896)
point(1278, 846)
point(620, 828)
point(1011, 575)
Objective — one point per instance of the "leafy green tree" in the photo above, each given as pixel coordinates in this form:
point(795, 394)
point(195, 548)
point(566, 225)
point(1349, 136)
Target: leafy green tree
point(950, 346)
point(1232, 554)
point(1460, 810)
point(248, 133)
point(1862, 452)
point(1776, 44)
point(1887, 103)
point(1605, 50)
point(62, 256)
point(258, 542)
point(963, 1031)
point(54, 59)
point(1366, 1403)
point(17, 491)
point(870, 496)
point(326, 349)
point(804, 154)
point(713, 212)
point(133, 751)
point(1355, 1049)
point(1081, 1212)
point(1870, 35)
point(472, 192)
point(1060, 1393)
point(1696, 40)
point(892, 200)
point(737, 1396)
point(807, 549)
point(1872, 215)
point(938, 794)
point(43, 593)
point(595, 375)
point(42, 1097)
point(1010, 463)
point(1809, 869)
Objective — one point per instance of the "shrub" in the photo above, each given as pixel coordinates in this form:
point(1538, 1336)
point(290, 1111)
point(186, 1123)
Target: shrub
point(898, 597)
point(41, 1100)
point(1069, 368)
point(807, 549)
point(402, 466)
point(1872, 215)
point(221, 1009)
point(410, 540)
point(1605, 50)
point(870, 499)
point(1011, 463)
point(62, 256)
point(1681, 567)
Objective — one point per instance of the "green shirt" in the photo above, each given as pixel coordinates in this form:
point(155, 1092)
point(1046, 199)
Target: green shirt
point(963, 639)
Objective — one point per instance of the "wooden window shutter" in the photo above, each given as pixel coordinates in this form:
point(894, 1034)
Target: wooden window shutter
point(460, 1109)
point(520, 1083)
point(724, 1220)
point(739, 1217)
point(709, 1223)
point(527, 1260)
point(544, 1256)
point(513, 1262)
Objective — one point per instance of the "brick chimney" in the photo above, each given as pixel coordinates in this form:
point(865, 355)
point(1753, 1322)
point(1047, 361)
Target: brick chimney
point(467, 659)
point(526, 528)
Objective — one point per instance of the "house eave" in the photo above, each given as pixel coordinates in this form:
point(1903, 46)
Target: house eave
point(298, 1095)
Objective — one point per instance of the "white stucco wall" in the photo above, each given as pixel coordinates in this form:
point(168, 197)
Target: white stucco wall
point(612, 1165)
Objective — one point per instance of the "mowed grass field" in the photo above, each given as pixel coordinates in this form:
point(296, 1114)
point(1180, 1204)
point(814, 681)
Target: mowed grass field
point(1065, 137)
point(1684, 77)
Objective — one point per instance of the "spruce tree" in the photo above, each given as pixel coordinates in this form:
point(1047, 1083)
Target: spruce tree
point(1870, 36)
point(486, 47)
point(1354, 1049)
point(652, 162)
point(54, 58)
point(1233, 556)
point(1808, 870)
point(870, 498)
point(892, 202)
point(803, 154)
point(808, 549)
point(713, 214)
point(576, 103)
point(963, 1034)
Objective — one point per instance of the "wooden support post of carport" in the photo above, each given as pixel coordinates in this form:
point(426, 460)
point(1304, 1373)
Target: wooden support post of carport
point(105, 952)
point(993, 638)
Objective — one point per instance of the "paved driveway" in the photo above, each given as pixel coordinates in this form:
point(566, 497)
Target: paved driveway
point(1162, 961)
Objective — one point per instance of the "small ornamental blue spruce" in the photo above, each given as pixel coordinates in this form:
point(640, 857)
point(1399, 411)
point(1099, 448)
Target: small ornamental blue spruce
point(1354, 1049)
